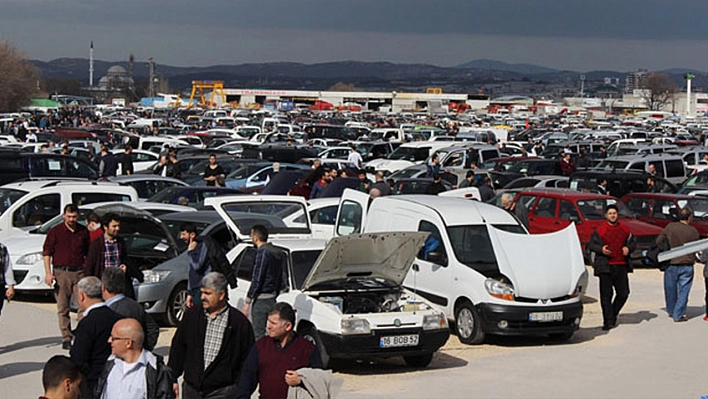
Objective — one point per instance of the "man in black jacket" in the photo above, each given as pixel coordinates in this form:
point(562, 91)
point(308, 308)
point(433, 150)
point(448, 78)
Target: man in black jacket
point(91, 349)
point(113, 280)
point(211, 344)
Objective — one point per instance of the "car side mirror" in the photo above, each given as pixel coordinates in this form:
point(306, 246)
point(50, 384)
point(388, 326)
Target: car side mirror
point(575, 219)
point(436, 257)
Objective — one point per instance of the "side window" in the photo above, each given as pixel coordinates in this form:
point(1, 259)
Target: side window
point(546, 207)
point(37, 211)
point(349, 221)
point(567, 211)
point(638, 206)
point(665, 210)
point(639, 166)
point(455, 159)
point(244, 264)
point(433, 243)
point(46, 166)
point(674, 168)
point(690, 158)
point(527, 200)
point(77, 168)
point(262, 176)
point(89, 198)
point(326, 215)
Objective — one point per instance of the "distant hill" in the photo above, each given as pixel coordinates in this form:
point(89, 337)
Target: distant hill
point(503, 66)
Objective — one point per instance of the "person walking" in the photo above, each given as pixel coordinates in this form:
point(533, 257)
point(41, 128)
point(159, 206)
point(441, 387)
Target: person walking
point(436, 187)
point(433, 168)
point(274, 359)
point(213, 173)
point(211, 344)
point(567, 166)
point(61, 378)
point(205, 256)
point(267, 280)
point(113, 287)
point(91, 349)
point(354, 159)
point(126, 163)
point(678, 276)
point(380, 184)
point(515, 208)
point(108, 165)
point(468, 181)
point(7, 279)
point(486, 192)
point(612, 243)
point(133, 372)
point(64, 254)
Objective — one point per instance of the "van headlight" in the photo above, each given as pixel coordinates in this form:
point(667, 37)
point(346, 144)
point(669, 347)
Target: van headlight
point(499, 289)
point(434, 322)
point(154, 276)
point(30, 259)
point(355, 326)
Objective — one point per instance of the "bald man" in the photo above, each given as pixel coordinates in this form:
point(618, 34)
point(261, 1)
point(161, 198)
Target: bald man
point(131, 371)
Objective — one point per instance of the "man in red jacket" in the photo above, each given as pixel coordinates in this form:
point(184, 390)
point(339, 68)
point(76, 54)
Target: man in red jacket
point(612, 243)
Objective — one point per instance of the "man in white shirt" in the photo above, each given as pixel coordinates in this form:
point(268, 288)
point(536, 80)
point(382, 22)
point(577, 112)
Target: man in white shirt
point(131, 371)
point(355, 158)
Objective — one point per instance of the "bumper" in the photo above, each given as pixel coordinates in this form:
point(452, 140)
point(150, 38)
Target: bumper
point(361, 346)
point(153, 297)
point(518, 323)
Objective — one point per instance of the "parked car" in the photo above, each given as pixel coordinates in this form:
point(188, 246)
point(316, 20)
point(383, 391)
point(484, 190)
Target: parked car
point(619, 182)
point(147, 185)
point(253, 177)
point(667, 166)
point(17, 165)
point(195, 195)
point(661, 209)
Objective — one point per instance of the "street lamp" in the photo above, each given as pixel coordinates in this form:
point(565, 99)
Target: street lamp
point(689, 76)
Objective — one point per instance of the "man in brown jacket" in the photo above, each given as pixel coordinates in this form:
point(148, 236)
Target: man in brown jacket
point(678, 277)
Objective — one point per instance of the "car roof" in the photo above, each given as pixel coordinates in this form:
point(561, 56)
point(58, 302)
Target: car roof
point(313, 244)
point(32, 185)
point(456, 211)
point(561, 193)
point(665, 196)
point(141, 177)
point(198, 216)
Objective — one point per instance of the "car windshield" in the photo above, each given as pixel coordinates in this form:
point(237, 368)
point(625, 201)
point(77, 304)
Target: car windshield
point(594, 209)
point(302, 262)
point(8, 197)
point(173, 225)
point(271, 214)
point(700, 179)
point(473, 247)
point(519, 167)
point(244, 172)
point(413, 154)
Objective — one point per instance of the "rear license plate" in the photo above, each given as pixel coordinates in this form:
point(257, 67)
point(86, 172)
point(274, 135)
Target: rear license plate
point(398, 340)
point(546, 316)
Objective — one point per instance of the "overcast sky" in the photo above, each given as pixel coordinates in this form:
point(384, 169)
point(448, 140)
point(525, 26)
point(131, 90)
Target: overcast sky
point(620, 35)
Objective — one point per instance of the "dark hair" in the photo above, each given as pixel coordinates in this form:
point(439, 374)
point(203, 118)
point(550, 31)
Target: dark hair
point(284, 311)
point(113, 280)
point(212, 155)
point(260, 231)
point(71, 208)
point(189, 227)
point(108, 217)
point(611, 206)
point(470, 173)
point(93, 217)
point(685, 213)
point(128, 147)
point(57, 369)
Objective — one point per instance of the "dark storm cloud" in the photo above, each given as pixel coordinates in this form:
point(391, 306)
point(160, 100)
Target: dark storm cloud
point(629, 19)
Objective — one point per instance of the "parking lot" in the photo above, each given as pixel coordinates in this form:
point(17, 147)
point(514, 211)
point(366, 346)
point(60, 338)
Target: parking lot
point(647, 356)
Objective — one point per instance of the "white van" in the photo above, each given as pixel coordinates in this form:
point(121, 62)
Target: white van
point(479, 265)
point(406, 155)
point(668, 166)
point(26, 205)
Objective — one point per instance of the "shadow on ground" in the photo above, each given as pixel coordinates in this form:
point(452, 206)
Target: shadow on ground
point(394, 365)
point(44, 341)
point(13, 369)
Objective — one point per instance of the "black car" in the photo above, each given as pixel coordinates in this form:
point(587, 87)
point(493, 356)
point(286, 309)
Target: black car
point(194, 195)
point(18, 165)
point(417, 186)
point(527, 167)
point(619, 182)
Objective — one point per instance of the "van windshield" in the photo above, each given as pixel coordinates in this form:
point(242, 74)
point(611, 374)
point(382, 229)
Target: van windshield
point(473, 247)
point(8, 197)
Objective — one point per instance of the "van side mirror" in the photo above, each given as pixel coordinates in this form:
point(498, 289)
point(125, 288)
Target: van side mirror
point(436, 257)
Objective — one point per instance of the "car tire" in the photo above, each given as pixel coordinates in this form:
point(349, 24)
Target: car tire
point(309, 332)
point(177, 304)
point(468, 324)
point(418, 361)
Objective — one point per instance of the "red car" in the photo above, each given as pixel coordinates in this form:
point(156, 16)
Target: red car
point(661, 209)
point(554, 209)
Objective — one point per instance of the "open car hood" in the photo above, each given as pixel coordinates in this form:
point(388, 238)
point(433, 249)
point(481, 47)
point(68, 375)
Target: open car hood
point(380, 256)
point(540, 266)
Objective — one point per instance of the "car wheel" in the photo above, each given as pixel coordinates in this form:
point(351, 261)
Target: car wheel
point(309, 332)
point(418, 361)
point(468, 324)
point(177, 305)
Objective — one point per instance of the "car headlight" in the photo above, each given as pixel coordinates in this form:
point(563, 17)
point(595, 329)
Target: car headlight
point(30, 259)
point(434, 322)
point(499, 289)
point(355, 326)
point(154, 276)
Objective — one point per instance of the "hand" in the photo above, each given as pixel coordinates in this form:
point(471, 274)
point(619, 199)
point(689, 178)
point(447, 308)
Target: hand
point(175, 388)
point(192, 245)
point(606, 250)
point(49, 279)
point(10, 292)
point(625, 251)
point(244, 309)
point(292, 378)
point(189, 303)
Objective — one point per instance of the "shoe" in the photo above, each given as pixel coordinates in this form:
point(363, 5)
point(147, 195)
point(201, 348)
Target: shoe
point(682, 319)
point(66, 345)
point(607, 327)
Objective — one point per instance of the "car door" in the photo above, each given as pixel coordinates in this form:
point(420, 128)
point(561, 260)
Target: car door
point(543, 216)
point(430, 266)
point(351, 214)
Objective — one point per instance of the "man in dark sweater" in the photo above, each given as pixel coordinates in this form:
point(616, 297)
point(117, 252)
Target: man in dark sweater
point(678, 277)
point(612, 243)
point(274, 359)
point(211, 344)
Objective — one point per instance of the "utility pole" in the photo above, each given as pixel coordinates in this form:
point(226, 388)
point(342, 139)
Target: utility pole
point(582, 85)
point(91, 65)
point(689, 76)
point(151, 86)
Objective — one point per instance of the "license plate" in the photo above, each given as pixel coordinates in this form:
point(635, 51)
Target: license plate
point(398, 340)
point(546, 316)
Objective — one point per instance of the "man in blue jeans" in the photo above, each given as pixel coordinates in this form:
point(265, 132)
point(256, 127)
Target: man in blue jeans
point(678, 277)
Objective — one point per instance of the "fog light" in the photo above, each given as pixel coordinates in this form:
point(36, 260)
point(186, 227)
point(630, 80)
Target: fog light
point(577, 321)
point(503, 324)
